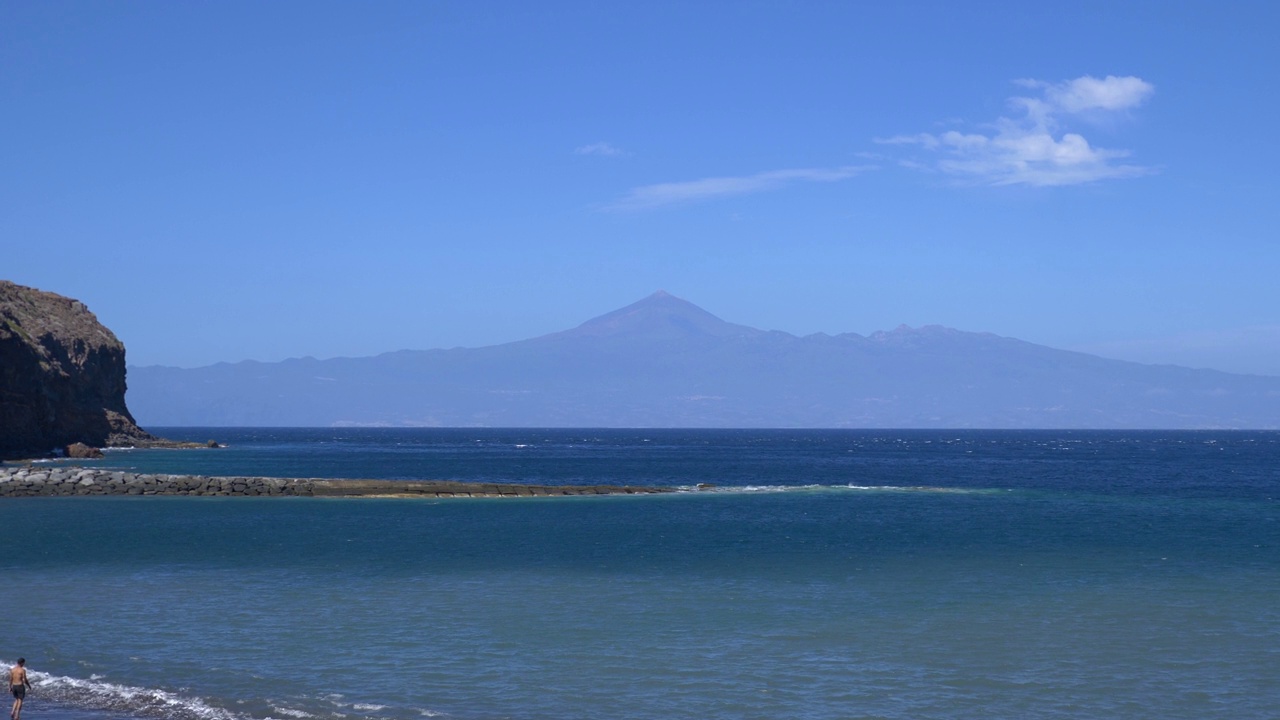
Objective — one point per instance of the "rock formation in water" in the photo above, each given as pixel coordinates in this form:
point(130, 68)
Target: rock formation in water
point(62, 377)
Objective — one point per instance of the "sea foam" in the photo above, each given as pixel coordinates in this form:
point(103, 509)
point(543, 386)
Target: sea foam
point(741, 489)
point(151, 702)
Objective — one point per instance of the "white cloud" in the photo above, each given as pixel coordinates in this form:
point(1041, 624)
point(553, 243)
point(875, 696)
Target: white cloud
point(925, 139)
point(1034, 148)
point(651, 196)
point(1109, 93)
point(603, 149)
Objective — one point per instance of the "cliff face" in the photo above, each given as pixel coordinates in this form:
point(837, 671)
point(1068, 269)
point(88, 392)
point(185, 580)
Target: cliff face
point(62, 376)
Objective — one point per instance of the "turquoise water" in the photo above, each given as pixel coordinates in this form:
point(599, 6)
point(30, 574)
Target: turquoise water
point(830, 575)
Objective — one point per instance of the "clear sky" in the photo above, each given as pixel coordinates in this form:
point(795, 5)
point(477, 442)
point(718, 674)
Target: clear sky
point(228, 181)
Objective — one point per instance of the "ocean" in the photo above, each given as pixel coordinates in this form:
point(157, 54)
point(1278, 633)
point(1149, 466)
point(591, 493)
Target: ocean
point(822, 575)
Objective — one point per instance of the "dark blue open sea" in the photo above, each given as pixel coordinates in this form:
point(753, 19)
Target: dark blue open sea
point(829, 575)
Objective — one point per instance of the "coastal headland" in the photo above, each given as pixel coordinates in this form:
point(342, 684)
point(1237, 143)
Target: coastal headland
point(35, 481)
point(62, 379)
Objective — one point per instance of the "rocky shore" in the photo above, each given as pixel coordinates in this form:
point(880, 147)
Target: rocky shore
point(36, 481)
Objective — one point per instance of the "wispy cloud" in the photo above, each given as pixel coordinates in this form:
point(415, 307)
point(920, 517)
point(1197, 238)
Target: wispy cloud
point(602, 149)
point(652, 196)
point(1034, 147)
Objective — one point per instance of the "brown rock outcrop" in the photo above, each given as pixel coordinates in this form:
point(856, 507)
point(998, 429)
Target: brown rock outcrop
point(62, 377)
point(81, 451)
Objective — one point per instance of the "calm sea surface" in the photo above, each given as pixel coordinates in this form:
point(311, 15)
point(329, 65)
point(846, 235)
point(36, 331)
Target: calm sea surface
point(829, 575)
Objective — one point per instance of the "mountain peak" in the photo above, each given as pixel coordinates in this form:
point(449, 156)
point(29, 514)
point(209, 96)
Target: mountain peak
point(660, 316)
point(665, 362)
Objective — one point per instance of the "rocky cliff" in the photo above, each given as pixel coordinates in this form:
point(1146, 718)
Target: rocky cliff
point(62, 377)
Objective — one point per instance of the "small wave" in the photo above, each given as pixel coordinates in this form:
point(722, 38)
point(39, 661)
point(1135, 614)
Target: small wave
point(739, 489)
point(921, 489)
point(721, 489)
point(290, 712)
point(149, 702)
point(732, 489)
point(367, 707)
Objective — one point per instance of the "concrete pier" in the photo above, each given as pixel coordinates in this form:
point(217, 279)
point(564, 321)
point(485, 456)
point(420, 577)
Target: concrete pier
point(37, 481)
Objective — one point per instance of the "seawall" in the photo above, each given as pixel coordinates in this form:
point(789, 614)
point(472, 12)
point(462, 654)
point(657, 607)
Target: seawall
point(36, 481)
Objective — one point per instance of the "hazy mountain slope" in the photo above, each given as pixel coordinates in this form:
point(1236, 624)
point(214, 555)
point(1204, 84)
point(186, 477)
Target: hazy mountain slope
point(663, 362)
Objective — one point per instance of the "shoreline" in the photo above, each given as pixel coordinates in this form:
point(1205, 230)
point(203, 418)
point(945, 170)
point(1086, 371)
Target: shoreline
point(76, 481)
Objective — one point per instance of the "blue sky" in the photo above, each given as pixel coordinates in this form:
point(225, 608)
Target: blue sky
point(229, 181)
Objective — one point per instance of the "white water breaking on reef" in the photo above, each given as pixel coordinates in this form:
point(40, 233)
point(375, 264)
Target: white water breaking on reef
point(815, 488)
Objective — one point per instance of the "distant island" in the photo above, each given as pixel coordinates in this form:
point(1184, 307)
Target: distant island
point(664, 362)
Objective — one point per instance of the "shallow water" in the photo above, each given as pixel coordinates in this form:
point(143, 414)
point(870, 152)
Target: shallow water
point(868, 575)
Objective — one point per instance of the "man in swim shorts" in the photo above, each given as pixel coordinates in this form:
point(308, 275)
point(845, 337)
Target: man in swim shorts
point(18, 684)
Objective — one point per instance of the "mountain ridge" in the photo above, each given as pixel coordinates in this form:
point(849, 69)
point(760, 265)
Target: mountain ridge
point(665, 362)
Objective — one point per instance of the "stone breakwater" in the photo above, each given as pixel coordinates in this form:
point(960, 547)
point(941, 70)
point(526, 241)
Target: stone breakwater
point(35, 481)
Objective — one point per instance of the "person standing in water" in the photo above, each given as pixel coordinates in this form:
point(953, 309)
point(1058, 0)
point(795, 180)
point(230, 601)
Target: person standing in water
point(18, 684)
